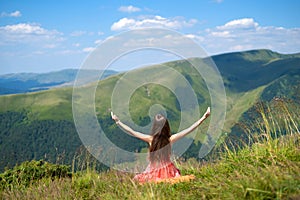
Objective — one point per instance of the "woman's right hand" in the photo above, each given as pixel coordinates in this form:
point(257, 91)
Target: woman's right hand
point(207, 113)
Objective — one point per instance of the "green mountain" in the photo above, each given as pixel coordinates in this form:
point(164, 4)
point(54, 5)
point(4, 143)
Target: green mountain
point(251, 69)
point(39, 125)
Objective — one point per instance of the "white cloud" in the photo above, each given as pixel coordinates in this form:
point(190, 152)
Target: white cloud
point(24, 29)
point(12, 14)
point(123, 23)
point(88, 49)
point(195, 37)
point(153, 22)
point(246, 33)
point(241, 47)
point(16, 14)
point(245, 23)
point(98, 42)
point(31, 34)
point(129, 9)
point(221, 33)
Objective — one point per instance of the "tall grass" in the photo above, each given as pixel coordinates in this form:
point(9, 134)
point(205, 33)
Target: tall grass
point(267, 166)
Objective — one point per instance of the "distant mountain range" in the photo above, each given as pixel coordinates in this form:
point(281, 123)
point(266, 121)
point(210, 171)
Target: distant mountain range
point(40, 124)
point(31, 82)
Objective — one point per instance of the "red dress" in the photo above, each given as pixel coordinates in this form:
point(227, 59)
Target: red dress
point(156, 172)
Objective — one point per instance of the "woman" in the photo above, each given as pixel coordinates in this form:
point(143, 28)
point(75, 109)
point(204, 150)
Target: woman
point(160, 141)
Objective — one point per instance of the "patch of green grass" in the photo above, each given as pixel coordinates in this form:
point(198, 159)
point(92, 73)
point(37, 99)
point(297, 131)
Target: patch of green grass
point(268, 168)
point(252, 173)
point(239, 103)
point(28, 173)
point(53, 104)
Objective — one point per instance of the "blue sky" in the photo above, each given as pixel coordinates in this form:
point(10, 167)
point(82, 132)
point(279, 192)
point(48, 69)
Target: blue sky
point(48, 35)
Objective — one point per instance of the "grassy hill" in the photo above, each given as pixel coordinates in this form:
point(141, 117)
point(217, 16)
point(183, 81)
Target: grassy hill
point(249, 70)
point(40, 124)
point(268, 168)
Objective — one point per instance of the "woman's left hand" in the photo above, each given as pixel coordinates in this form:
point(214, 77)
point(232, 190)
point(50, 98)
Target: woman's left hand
point(114, 117)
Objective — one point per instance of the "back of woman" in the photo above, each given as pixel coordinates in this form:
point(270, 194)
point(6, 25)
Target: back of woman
point(160, 139)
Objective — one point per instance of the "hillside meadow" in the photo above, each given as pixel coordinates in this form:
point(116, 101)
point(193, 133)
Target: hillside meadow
point(256, 157)
point(267, 166)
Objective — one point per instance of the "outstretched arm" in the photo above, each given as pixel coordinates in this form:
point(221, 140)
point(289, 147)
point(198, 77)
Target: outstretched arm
point(144, 137)
point(184, 132)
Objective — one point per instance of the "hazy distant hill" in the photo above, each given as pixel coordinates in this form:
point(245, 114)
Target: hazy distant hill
point(40, 124)
point(30, 82)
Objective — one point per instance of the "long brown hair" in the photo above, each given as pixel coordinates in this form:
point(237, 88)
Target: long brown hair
point(160, 148)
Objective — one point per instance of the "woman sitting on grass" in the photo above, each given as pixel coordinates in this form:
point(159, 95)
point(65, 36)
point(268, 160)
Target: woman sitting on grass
point(160, 167)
